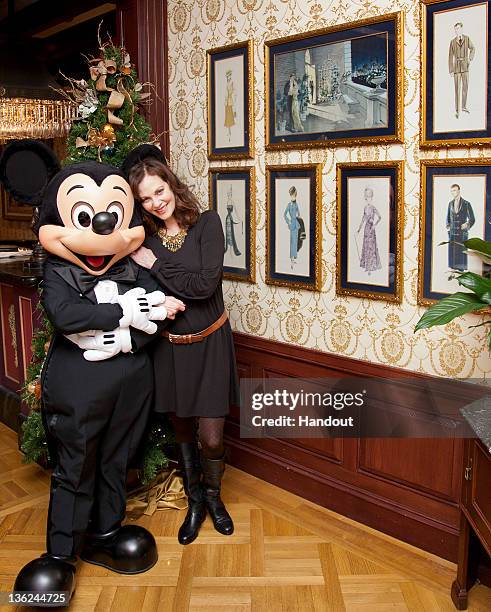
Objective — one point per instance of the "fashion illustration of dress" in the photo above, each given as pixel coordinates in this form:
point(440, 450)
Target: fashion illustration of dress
point(297, 122)
point(230, 240)
point(229, 105)
point(370, 259)
point(291, 218)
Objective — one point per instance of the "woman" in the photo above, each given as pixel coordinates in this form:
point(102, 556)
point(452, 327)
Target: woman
point(370, 258)
point(297, 122)
point(195, 374)
point(291, 215)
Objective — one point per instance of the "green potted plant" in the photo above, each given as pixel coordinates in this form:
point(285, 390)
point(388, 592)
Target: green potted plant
point(477, 298)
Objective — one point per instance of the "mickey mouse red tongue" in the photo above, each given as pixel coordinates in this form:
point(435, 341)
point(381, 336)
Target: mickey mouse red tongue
point(95, 261)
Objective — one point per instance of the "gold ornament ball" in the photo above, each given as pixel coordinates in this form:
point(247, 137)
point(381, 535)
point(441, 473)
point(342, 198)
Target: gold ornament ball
point(31, 387)
point(108, 130)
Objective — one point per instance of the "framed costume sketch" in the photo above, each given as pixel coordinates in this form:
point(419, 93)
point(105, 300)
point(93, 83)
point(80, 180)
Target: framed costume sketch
point(455, 73)
point(230, 77)
point(370, 213)
point(455, 206)
point(293, 226)
point(232, 195)
point(338, 86)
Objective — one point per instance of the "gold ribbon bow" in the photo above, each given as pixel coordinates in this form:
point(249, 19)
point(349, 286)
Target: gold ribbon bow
point(166, 492)
point(98, 73)
point(97, 138)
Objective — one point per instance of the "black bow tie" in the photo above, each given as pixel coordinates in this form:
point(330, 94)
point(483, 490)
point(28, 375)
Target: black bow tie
point(123, 271)
point(120, 272)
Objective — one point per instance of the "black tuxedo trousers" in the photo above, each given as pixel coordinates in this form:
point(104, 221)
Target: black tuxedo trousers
point(96, 420)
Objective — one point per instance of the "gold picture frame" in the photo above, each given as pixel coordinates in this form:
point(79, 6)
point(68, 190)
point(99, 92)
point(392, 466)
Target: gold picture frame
point(444, 167)
point(427, 113)
point(394, 134)
point(247, 272)
point(394, 171)
point(313, 280)
point(12, 210)
point(246, 49)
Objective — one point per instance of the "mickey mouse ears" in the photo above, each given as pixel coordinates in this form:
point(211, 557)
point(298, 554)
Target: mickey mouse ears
point(140, 153)
point(26, 167)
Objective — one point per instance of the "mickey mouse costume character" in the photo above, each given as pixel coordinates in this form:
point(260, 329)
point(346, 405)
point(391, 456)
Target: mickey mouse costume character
point(97, 380)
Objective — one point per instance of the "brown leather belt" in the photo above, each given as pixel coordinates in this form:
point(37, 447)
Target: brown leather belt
point(198, 336)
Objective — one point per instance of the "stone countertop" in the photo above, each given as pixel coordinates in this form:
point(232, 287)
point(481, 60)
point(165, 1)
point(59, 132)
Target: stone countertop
point(15, 272)
point(478, 415)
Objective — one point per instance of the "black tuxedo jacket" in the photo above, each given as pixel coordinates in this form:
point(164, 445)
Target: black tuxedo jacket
point(72, 307)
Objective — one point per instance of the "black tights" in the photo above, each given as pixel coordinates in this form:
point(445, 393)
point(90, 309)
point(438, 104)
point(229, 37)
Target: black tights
point(210, 433)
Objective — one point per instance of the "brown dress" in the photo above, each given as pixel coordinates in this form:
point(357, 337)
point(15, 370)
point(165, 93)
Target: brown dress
point(198, 379)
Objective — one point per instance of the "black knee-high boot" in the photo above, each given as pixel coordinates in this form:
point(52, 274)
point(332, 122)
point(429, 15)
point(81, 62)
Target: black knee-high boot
point(191, 476)
point(212, 477)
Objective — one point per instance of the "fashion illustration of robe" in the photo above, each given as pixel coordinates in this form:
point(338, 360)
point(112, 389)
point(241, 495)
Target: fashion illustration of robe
point(457, 259)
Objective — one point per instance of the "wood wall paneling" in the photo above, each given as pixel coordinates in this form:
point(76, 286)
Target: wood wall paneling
point(408, 488)
point(15, 230)
point(142, 28)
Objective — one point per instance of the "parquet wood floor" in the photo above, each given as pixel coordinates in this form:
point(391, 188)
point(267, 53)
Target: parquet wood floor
point(286, 554)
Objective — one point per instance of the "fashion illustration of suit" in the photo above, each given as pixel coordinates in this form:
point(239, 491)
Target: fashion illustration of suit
point(460, 54)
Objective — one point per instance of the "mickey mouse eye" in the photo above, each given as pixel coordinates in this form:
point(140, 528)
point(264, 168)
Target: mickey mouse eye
point(82, 214)
point(116, 209)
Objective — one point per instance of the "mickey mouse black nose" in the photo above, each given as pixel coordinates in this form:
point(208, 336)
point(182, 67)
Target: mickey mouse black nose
point(103, 223)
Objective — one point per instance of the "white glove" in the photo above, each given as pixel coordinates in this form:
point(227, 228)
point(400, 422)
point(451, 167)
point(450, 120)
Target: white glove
point(99, 345)
point(140, 309)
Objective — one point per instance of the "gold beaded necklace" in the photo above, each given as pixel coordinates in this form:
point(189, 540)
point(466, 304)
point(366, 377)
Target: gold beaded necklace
point(174, 242)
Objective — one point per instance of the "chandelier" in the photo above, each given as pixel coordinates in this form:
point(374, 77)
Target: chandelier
point(34, 118)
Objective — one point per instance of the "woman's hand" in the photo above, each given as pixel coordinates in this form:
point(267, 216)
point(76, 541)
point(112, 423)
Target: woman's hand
point(173, 306)
point(143, 257)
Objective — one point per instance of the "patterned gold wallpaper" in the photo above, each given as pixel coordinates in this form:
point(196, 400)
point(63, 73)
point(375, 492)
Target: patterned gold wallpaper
point(369, 330)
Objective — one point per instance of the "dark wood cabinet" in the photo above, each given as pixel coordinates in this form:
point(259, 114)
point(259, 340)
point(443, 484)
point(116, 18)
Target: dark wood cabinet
point(475, 522)
point(18, 317)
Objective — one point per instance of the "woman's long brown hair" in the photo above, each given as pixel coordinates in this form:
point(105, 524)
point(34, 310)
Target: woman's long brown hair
point(187, 208)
